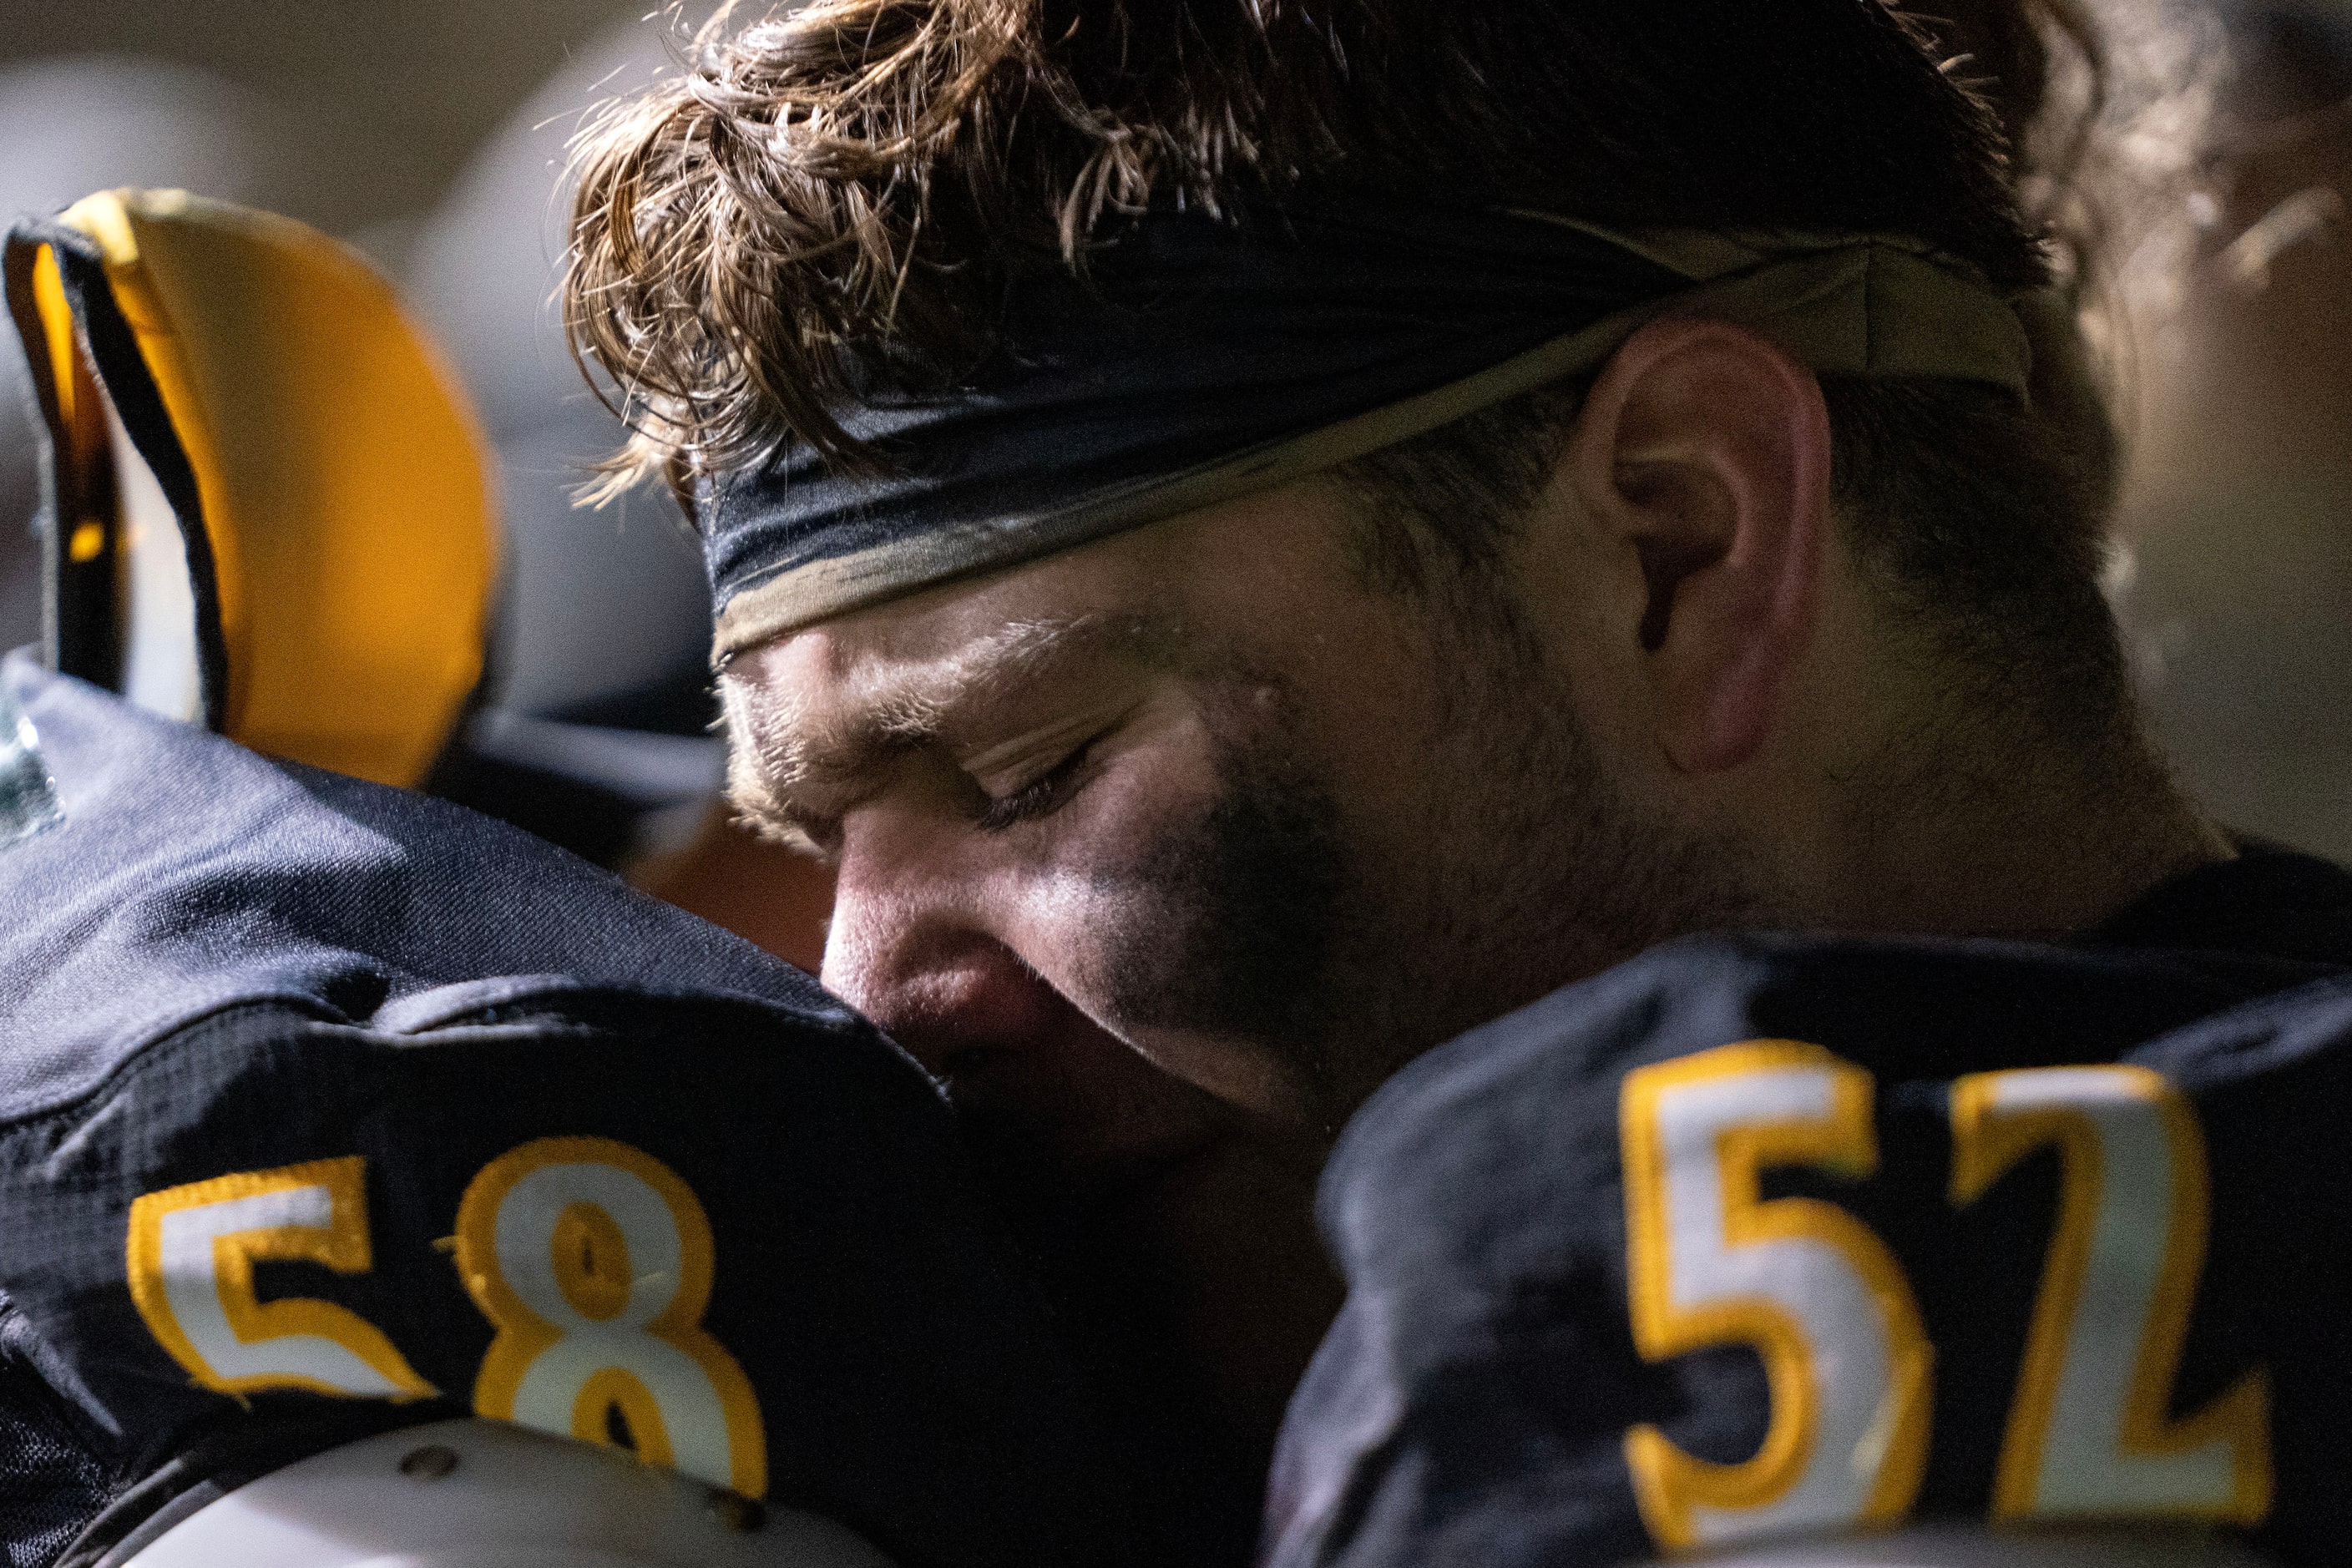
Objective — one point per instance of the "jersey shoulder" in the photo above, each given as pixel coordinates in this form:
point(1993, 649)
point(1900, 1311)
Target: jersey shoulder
point(696, 1227)
point(160, 873)
point(316, 1095)
point(1583, 1244)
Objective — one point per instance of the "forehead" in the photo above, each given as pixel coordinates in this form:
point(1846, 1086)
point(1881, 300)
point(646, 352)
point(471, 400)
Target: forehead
point(1214, 572)
point(875, 656)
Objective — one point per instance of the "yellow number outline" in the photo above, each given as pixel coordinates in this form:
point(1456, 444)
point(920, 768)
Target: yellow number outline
point(1669, 1483)
point(1987, 1141)
point(343, 1245)
point(522, 1334)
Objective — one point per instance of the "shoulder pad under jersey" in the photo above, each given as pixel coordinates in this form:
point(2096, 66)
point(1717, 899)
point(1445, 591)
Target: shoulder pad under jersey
point(315, 1090)
point(1754, 1238)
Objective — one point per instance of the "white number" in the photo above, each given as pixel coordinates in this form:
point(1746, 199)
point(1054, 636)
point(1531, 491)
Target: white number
point(1803, 1283)
point(190, 1258)
point(594, 1262)
point(2090, 1431)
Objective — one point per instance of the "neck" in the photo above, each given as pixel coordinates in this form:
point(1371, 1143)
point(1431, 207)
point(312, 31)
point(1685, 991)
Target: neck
point(1997, 828)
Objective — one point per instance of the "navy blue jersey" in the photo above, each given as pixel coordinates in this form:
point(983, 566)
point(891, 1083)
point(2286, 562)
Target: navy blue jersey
point(1755, 1236)
point(324, 1105)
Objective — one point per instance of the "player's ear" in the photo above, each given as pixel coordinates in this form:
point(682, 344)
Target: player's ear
point(1705, 450)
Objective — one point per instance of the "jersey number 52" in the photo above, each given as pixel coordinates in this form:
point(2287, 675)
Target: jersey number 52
point(1822, 1301)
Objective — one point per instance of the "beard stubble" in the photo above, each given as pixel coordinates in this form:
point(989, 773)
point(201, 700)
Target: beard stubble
point(1271, 921)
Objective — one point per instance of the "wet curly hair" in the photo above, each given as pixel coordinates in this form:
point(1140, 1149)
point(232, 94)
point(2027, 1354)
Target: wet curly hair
point(826, 194)
point(855, 174)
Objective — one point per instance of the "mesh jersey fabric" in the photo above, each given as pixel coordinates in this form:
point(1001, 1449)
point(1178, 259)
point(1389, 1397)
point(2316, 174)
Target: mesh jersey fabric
point(52, 1483)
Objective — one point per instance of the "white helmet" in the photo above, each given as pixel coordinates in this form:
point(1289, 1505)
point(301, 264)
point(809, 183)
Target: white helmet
point(481, 1494)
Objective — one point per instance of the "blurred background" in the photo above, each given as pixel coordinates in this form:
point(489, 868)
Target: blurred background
point(430, 134)
point(2233, 570)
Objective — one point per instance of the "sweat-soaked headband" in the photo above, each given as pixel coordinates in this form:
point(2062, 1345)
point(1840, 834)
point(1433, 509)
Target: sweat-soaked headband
point(1199, 359)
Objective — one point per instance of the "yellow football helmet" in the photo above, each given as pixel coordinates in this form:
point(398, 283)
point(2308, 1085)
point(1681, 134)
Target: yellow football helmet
point(269, 509)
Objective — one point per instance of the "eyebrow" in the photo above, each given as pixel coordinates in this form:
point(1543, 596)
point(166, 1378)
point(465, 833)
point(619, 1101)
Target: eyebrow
point(904, 713)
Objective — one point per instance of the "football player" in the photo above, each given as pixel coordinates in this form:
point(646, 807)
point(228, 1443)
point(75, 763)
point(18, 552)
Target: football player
point(1261, 538)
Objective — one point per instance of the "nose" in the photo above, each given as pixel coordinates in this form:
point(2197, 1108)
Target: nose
point(922, 954)
point(932, 978)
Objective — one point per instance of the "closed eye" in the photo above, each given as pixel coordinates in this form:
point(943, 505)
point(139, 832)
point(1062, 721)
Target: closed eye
point(1043, 795)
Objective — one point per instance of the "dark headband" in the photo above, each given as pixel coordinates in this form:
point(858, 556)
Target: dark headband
point(1202, 359)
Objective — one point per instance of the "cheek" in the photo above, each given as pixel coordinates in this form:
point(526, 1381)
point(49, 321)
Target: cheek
point(1180, 916)
point(1074, 894)
point(918, 881)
